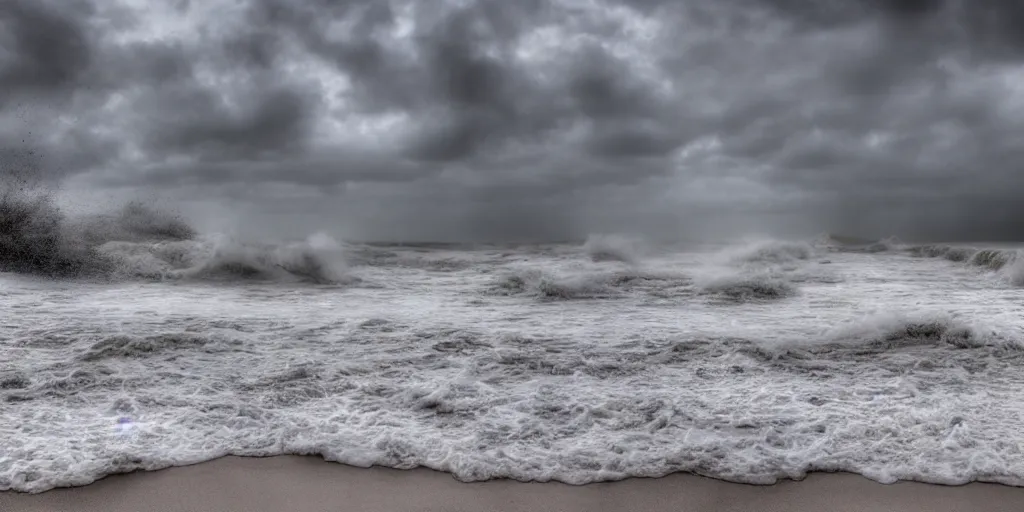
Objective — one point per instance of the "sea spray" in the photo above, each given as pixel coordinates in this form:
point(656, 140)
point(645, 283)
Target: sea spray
point(1014, 272)
point(137, 241)
point(34, 239)
point(603, 247)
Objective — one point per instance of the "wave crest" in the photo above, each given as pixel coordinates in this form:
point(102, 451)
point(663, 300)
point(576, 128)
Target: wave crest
point(1008, 263)
point(771, 252)
point(319, 259)
point(551, 287)
point(889, 331)
point(749, 287)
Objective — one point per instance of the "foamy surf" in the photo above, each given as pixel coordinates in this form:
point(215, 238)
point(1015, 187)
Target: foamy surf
point(320, 259)
point(752, 364)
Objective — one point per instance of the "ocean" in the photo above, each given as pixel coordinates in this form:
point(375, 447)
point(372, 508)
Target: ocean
point(752, 361)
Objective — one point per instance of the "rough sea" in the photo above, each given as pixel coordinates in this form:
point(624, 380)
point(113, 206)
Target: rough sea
point(751, 362)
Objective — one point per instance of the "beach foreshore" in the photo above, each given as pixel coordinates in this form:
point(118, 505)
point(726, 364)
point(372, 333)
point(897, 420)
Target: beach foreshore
point(310, 484)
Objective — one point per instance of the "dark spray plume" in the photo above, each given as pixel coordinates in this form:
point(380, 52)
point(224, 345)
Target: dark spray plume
point(32, 239)
point(36, 237)
point(138, 242)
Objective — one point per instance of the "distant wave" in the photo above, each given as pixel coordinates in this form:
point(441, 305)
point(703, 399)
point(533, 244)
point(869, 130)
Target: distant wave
point(757, 271)
point(611, 248)
point(554, 287)
point(425, 258)
point(770, 252)
point(548, 286)
point(749, 287)
point(1008, 263)
point(843, 243)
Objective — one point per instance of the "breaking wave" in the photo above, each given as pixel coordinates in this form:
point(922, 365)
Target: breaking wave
point(881, 335)
point(897, 330)
point(1008, 263)
point(421, 374)
point(140, 242)
point(319, 259)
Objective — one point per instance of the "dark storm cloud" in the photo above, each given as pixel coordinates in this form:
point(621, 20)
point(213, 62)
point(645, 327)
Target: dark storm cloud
point(986, 25)
point(550, 118)
point(43, 48)
point(198, 123)
point(460, 78)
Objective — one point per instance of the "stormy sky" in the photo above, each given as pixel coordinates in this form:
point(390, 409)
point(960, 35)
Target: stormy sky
point(527, 119)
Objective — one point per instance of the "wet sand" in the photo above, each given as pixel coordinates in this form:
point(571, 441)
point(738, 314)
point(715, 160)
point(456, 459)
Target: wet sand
point(309, 484)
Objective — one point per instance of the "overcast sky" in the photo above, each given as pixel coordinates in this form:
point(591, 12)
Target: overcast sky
point(514, 119)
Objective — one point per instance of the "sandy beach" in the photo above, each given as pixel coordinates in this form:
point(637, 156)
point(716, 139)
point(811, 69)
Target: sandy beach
point(309, 484)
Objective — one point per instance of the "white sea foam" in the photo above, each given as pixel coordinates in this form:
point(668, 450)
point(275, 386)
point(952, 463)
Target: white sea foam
point(883, 364)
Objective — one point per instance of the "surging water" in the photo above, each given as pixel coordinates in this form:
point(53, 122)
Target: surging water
point(748, 363)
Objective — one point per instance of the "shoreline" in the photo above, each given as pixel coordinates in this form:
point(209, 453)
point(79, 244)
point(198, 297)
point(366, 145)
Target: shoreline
point(310, 484)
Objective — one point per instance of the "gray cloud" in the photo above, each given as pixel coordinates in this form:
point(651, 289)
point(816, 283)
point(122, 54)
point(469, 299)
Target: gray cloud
point(44, 48)
point(532, 119)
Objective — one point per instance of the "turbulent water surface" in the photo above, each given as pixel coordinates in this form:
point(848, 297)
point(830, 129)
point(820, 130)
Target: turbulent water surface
point(579, 363)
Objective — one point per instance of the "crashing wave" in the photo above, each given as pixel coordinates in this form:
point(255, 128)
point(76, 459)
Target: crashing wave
point(317, 260)
point(897, 330)
point(1008, 263)
point(140, 242)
